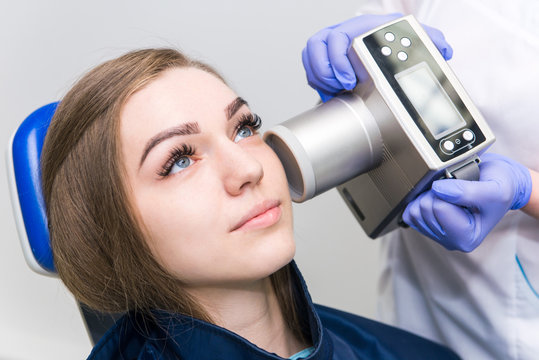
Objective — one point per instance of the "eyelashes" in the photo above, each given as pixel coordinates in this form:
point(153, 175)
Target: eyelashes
point(250, 121)
point(175, 155)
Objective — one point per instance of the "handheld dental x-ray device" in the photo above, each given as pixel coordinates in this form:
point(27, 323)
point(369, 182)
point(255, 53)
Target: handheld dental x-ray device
point(384, 143)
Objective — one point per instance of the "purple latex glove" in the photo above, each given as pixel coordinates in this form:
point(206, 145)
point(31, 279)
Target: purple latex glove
point(459, 214)
point(325, 56)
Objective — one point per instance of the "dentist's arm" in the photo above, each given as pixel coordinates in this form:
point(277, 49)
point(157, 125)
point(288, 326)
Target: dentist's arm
point(459, 214)
point(325, 56)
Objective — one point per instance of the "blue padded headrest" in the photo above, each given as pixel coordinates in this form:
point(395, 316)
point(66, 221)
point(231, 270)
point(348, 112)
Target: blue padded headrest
point(24, 169)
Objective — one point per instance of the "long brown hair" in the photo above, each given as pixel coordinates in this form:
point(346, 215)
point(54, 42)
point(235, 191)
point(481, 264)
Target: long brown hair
point(99, 249)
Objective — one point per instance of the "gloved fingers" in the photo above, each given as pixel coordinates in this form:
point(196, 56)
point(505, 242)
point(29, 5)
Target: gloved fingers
point(426, 206)
point(414, 218)
point(317, 66)
point(339, 41)
point(438, 39)
point(470, 194)
point(503, 185)
point(461, 227)
point(338, 45)
point(452, 226)
point(325, 57)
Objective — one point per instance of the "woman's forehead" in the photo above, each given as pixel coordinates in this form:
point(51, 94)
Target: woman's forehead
point(183, 92)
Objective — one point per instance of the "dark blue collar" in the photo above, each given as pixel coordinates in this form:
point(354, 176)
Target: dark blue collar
point(191, 338)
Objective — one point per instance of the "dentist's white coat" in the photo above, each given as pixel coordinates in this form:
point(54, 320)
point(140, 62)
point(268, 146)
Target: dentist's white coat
point(484, 305)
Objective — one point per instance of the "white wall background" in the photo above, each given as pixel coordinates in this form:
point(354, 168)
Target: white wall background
point(47, 45)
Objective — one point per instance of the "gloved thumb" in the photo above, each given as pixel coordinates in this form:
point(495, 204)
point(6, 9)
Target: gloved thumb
point(470, 194)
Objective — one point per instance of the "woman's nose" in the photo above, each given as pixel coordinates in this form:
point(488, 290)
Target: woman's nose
point(241, 168)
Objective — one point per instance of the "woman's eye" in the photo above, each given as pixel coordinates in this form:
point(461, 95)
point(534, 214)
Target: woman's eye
point(243, 132)
point(182, 163)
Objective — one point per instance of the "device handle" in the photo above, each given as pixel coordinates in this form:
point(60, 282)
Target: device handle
point(466, 170)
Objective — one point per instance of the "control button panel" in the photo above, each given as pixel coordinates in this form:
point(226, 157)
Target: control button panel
point(387, 49)
point(457, 141)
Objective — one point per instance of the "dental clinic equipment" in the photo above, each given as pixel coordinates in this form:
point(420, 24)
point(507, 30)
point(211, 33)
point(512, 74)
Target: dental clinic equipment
point(385, 142)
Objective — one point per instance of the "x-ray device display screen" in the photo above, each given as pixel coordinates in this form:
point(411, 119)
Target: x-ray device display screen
point(430, 100)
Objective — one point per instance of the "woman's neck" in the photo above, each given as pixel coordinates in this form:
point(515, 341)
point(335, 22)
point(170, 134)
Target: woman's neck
point(253, 312)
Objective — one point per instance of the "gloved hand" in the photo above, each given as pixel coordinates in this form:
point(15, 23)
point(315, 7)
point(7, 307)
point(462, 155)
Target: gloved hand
point(325, 61)
point(459, 214)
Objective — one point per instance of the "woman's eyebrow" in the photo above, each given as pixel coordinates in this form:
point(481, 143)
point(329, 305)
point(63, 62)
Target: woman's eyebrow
point(189, 128)
point(234, 106)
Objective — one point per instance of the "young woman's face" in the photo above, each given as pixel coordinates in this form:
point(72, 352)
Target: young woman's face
point(211, 195)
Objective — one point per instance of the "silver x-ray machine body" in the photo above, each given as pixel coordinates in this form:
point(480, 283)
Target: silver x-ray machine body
point(384, 143)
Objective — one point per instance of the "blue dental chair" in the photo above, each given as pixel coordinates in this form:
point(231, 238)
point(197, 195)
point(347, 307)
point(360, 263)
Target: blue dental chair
point(24, 180)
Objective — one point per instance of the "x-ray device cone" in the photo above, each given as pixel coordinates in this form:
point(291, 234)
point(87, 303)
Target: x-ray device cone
point(385, 142)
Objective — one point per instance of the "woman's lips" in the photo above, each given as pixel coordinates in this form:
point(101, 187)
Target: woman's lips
point(261, 216)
